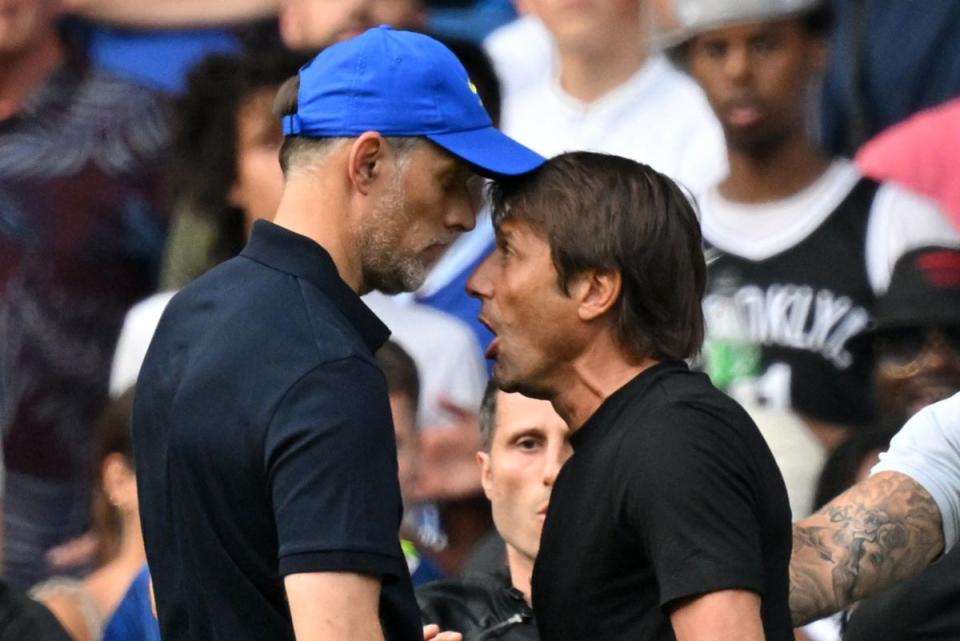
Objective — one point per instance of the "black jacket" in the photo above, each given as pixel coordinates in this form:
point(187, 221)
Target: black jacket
point(484, 607)
point(22, 619)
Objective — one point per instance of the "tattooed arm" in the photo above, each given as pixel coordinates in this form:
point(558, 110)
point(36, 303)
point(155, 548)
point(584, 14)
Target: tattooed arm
point(882, 530)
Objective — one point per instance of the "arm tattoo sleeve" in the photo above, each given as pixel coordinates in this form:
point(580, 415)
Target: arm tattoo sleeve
point(880, 531)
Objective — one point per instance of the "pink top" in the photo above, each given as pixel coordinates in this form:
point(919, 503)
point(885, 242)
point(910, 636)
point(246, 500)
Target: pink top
point(922, 153)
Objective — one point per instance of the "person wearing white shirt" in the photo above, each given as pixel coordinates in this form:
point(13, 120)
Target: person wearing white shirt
point(610, 92)
point(799, 244)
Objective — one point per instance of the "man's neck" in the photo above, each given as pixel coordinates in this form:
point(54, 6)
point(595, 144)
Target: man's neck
point(521, 571)
point(775, 174)
point(588, 75)
point(592, 378)
point(23, 72)
point(299, 212)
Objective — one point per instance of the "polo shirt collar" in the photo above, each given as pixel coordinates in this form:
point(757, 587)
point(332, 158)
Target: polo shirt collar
point(297, 255)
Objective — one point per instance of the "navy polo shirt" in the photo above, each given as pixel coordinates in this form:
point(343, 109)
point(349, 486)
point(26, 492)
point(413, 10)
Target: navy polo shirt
point(264, 446)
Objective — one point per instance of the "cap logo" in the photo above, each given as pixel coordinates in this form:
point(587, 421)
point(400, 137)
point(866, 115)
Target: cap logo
point(940, 269)
point(475, 91)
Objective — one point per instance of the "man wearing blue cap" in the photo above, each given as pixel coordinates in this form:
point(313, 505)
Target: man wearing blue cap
point(264, 446)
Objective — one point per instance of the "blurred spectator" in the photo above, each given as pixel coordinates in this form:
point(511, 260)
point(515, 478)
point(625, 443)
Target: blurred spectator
point(156, 43)
point(22, 619)
point(917, 334)
point(308, 25)
point(522, 52)
point(170, 14)
point(609, 93)
point(113, 603)
point(920, 153)
point(403, 388)
point(159, 60)
point(225, 168)
point(524, 443)
point(470, 20)
point(917, 338)
point(800, 244)
point(889, 59)
point(453, 373)
point(80, 238)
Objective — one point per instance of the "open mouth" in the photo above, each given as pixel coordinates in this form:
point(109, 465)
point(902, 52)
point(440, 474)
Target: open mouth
point(494, 347)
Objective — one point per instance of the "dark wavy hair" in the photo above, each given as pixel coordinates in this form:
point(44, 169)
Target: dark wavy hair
point(599, 211)
point(203, 166)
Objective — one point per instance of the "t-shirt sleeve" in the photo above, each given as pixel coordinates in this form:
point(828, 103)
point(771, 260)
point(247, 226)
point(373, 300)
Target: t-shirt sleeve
point(331, 461)
point(927, 450)
point(693, 504)
point(901, 221)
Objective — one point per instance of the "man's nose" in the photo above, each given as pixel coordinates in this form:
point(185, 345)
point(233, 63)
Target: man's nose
point(737, 63)
point(555, 460)
point(461, 215)
point(479, 284)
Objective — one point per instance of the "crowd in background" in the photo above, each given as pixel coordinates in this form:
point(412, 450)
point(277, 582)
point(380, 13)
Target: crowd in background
point(138, 145)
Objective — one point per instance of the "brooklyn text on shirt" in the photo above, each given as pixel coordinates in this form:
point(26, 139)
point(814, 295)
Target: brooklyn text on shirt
point(787, 315)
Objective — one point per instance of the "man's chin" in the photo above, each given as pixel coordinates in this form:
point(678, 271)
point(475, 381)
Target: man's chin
point(396, 282)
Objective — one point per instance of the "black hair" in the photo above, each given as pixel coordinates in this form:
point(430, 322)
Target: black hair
point(203, 166)
point(598, 211)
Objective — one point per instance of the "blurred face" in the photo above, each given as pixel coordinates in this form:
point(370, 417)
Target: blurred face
point(530, 445)
point(756, 77)
point(311, 25)
point(534, 322)
point(23, 22)
point(259, 182)
point(916, 367)
point(404, 424)
point(424, 206)
point(588, 24)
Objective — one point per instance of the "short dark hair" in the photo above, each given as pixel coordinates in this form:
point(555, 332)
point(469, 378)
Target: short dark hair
point(488, 415)
point(599, 211)
point(203, 163)
point(286, 104)
point(400, 370)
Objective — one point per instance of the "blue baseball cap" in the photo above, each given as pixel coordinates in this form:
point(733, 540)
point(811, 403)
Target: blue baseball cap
point(400, 83)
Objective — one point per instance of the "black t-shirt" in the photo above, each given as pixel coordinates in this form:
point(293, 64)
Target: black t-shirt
point(925, 607)
point(264, 446)
point(671, 492)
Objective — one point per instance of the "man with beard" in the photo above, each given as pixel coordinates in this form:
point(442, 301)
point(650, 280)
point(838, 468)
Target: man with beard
point(802, 243)
point(670, 520)
point(265, 451)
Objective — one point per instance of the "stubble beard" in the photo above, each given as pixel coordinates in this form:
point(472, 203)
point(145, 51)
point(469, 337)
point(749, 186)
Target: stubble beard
point(385, 266)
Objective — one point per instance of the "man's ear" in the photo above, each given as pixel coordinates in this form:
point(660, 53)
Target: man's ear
point(483, 458)
point(596, 292)
point(365, 162)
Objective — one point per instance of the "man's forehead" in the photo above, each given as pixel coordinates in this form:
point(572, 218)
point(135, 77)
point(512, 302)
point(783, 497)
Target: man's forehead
point(518, 412)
